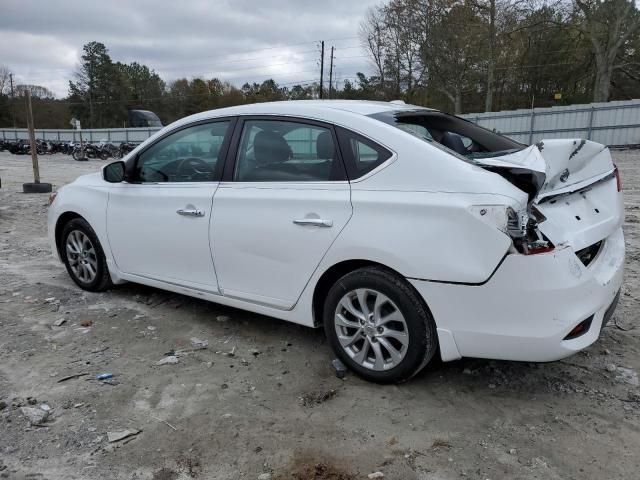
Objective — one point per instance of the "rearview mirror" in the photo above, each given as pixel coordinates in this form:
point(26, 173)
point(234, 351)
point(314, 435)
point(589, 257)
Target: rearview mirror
point(114, 172)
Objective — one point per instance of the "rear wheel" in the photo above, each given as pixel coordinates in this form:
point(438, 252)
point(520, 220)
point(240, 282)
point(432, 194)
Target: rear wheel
point(379, 326)
point(83, 256)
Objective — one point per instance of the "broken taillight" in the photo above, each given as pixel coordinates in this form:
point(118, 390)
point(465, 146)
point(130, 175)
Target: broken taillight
point(521, 226)
point(616, 173)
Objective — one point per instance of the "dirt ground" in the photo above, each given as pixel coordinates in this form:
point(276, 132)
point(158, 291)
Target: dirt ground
point(261, 399)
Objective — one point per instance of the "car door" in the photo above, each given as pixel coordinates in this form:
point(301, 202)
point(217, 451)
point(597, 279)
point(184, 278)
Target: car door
point(158, 221)
point(283, 201)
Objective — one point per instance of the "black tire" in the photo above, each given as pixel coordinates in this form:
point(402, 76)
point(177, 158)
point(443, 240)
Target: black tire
point(36, 187)
point(421, 328)
point(102, 280)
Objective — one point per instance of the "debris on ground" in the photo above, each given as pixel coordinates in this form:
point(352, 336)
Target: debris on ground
point(121, 435)
point(627, 375)
point(168, 360)
point(223, 318)
point(439, 443)
point(36, 416)
point(86, 323)
point(104, 376)
point(264, 476)
point(376, 475)
point(198, 343)
point(313, 399)
point(70, 377)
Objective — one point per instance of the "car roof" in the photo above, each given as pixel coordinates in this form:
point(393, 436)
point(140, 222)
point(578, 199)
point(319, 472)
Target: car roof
point(302, 107)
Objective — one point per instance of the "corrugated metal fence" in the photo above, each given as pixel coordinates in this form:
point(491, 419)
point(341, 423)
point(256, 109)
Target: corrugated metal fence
point(611, 123)
point(115, 135)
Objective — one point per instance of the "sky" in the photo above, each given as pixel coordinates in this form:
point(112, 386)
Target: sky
point(41, 40)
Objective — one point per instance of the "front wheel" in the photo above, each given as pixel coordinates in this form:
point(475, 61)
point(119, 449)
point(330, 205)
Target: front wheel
point(83, 256)
point(378, 325)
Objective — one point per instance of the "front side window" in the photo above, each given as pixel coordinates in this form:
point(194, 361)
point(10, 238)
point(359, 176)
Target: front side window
point(192, 154)
point(286, 151)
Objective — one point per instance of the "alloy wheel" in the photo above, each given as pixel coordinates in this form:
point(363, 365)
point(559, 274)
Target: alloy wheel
point(82, 256)
point(371, 329)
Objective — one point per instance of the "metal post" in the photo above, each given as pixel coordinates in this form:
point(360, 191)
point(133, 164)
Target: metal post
point(590, 123)
point(533, 118)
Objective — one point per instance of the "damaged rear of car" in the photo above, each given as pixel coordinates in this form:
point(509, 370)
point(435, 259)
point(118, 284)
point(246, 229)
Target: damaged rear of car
point(559, 283)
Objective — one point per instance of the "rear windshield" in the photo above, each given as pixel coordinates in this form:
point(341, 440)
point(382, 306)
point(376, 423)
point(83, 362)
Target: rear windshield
point(460, 136)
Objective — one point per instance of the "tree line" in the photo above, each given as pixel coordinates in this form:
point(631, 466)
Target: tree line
point(454, 55)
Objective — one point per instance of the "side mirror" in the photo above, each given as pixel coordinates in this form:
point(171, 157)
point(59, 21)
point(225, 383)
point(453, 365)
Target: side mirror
point(114, 172)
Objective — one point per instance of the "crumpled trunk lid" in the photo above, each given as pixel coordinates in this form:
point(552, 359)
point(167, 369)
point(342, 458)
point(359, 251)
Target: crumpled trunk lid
point(572, 183)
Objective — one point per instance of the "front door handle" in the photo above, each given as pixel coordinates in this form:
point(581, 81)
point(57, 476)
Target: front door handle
point(194, 212)
point(316, 222)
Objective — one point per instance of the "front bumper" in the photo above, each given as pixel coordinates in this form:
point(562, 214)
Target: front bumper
point(527, 308)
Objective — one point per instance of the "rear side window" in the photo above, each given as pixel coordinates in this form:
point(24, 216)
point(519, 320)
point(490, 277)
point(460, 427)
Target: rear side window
point(361, 155)
point(286, 151)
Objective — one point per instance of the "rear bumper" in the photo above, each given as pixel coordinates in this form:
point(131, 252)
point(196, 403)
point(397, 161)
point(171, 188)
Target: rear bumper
point(529, 305)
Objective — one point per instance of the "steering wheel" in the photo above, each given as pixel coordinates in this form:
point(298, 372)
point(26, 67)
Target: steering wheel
point(196, 165)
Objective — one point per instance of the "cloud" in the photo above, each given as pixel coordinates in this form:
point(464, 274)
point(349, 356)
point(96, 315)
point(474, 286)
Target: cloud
point(238, 41)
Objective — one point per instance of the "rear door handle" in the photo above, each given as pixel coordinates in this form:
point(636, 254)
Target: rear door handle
point(316, 222)
point(191, 212)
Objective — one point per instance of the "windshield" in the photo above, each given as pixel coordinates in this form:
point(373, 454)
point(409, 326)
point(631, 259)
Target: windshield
point(457, 135)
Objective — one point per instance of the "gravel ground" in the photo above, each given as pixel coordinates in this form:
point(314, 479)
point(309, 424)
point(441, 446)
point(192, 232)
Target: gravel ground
point(261, 400)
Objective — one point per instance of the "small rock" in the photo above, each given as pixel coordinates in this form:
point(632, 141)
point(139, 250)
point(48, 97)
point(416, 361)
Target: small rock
point(36, 416)
point(513, 451)
point(170, 360)
point(611, 367)
point(223, 318)
point(59, 322)
point(376, 475)
point(467, 371)
point(264, 476)
point(339, 367)
point(606, 351)
point(86, 323)
point(45, 407)
point(151, 328)
point(3, 404)
point(138, 317)
point(198, 343)
point(492, 386)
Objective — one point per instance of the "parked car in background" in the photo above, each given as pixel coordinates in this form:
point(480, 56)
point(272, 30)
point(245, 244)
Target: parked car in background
point(402, 230)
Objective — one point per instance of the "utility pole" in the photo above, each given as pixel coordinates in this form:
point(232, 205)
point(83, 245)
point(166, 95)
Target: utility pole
point(331, 73)
point(36, 186)
point(13, 115)
point(321, 68)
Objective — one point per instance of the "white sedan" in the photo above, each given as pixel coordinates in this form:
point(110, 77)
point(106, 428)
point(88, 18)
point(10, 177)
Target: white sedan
point(402, 230)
